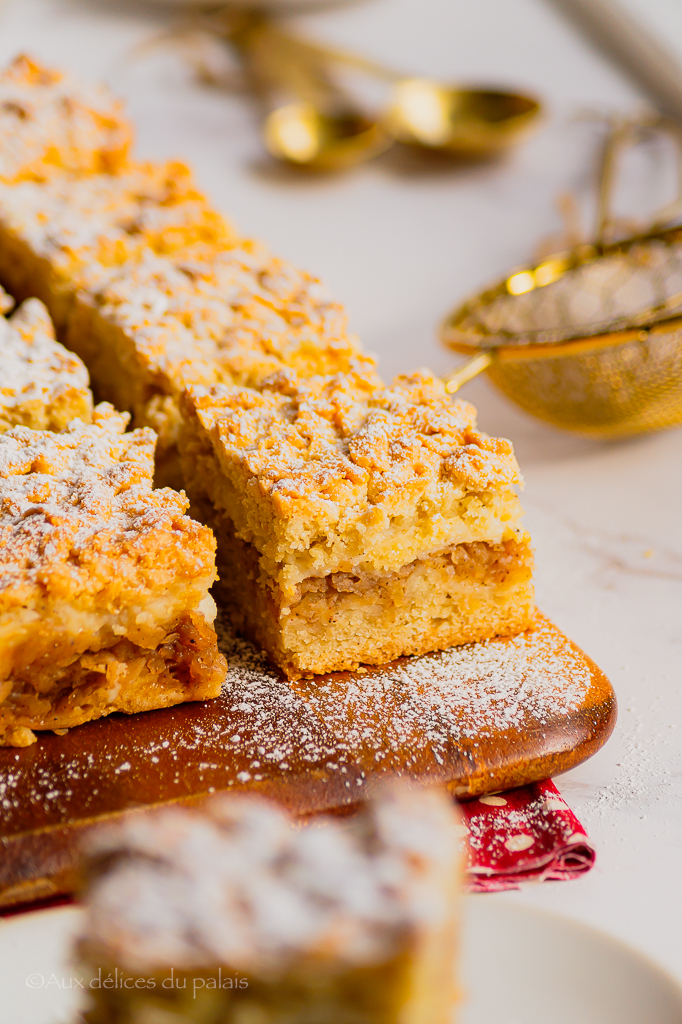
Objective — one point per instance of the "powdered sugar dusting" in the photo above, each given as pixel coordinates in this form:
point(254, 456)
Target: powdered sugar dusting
point(346, 441)
point(73, 507)
point(47, 120)
point(434, 702)
point(33, 365)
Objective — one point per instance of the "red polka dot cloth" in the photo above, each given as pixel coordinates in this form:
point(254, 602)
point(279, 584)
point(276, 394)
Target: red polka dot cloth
point(528, 834)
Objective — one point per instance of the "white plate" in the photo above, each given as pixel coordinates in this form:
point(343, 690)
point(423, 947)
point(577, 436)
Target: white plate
point(525, 966)
point(521, 966)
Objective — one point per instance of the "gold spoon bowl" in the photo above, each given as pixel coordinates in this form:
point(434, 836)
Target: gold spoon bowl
point(303, 134)
point(464, 122)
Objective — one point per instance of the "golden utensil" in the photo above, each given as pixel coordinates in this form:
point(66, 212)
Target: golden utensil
point(464, 122)
point(320, 126)
point(588, 340)
point(303, 134)
point(423, 112)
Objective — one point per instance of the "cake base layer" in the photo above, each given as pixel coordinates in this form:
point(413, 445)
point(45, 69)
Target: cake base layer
point(185, 666)
point(464, 594)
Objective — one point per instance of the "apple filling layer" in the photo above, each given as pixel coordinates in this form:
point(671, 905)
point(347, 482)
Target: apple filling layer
point(125, 677)
point(464, 593)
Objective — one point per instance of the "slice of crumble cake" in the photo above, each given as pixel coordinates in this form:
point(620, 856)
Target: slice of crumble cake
point(104, 602)
point(50, 122)
point(357, 522)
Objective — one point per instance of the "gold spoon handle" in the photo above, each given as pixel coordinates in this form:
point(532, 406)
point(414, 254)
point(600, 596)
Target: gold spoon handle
point(278, 62)
point(313, 53)
point(467, 371)
point(353, 60)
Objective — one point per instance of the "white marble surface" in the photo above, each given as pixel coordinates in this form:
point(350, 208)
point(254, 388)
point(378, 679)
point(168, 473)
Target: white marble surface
point(400, 248)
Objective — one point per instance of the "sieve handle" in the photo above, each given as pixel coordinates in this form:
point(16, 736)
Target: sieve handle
point(622, 135)
point(468, 370)
point(636, 50)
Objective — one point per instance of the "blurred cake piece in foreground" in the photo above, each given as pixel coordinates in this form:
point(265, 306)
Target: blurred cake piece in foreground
point(357, 522)
point(42, 385)
point(104, 602)
point(258, 921)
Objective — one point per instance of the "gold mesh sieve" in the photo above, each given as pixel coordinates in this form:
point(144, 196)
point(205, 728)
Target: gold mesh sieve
point(589, 340)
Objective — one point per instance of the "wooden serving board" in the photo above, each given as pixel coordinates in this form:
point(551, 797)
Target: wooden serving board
point(482, 718)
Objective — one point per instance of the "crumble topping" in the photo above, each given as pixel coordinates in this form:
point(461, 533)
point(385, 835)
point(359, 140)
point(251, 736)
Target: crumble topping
point(49, 120)
point(78, 513)
point(347, 439)
point(335, 472)
point(234, 315)
point(201, 305)
point(233, 883)
point(105, 218)
point(33, 365)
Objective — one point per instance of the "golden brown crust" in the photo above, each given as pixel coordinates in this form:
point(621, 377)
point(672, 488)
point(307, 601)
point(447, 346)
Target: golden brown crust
point(154, 291)
point(86, 227)
point(349, 439)
point(342, 474)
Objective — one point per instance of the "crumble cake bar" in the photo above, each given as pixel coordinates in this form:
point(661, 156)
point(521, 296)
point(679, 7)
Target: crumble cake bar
point(42, 385)
point(154, 293)
point(56, 231)
point(355, 522)
point(261, 921)
point(104, 602)
point(154, 290)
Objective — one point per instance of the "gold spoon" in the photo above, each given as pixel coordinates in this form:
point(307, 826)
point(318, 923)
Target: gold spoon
point(321, 128)
point(464, 122)
point(302, 134)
